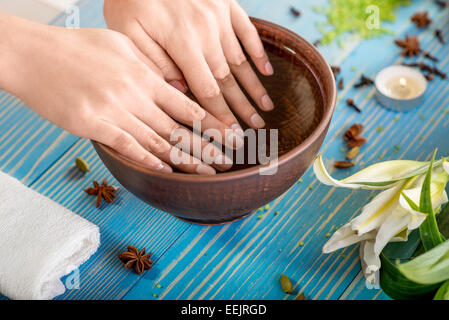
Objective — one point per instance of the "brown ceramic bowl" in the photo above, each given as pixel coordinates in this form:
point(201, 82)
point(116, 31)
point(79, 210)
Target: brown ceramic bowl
point(304, 107)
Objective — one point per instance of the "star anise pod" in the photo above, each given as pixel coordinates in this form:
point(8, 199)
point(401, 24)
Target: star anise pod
point(410, 46)
point(103, 191)
point(421, 19)
point(135, 259)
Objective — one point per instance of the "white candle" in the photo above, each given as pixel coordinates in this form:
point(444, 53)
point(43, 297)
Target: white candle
point(400, 87)
point(403, 87)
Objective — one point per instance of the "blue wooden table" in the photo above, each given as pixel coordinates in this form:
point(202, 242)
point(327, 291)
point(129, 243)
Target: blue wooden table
point(242, 260)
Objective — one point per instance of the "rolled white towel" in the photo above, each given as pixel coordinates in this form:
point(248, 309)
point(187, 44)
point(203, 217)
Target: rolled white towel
point(40, 242)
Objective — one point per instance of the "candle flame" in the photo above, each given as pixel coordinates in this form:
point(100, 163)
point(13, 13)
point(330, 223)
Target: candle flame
point(403, 82)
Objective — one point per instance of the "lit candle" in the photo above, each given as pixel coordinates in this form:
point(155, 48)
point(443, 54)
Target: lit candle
point(400, 88)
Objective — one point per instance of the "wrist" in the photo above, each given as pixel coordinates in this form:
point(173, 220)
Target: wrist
point(17, 48)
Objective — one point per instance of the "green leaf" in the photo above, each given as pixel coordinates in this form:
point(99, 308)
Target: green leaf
point(443, 226)
point(443, 292)
point(398, 287)
point(410, 202)
point(443, 220)
point(430, 235)
point(429, 268)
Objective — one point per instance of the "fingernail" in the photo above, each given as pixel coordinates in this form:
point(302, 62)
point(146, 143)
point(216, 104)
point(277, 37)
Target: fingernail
point(237, 129)
point(257, 121)
point(234, 137)
point(178, 85)
point(269, 68)
point(204, 170)
point(165, 168)
point(267, 103)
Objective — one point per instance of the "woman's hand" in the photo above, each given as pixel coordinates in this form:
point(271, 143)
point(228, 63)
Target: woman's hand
point(201, 37)
point(96, 84)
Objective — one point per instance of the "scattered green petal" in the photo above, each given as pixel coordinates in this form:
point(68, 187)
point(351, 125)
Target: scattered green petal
point(350, 17)
point(286, 284)
point(82, 164)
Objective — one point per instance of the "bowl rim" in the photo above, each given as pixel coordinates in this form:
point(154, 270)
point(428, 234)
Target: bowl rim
point(226, 176)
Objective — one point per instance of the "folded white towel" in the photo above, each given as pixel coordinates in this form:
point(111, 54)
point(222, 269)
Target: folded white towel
point(40, 241)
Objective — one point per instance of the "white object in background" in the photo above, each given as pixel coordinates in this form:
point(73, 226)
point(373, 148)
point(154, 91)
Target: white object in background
point(40, 242)
point(58, 4)
point(42, 11)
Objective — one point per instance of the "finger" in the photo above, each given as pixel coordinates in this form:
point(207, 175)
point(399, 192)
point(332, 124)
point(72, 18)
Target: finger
point(246, 75)
point(200, 148)
point(222, 75)
point(182, 138)
point(250, 39)
point(251, 83)
point(240, 104)
point(160, 147)
point(122, 142)
point(201, 76)
point(176, 104)
point(204, 86)
point(179, 107)
point(157, 55)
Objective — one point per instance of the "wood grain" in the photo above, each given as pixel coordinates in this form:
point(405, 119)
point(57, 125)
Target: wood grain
point(242, 260)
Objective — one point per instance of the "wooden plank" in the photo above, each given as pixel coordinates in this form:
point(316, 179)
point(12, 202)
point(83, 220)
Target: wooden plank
point(128, 221)
point(243, 260)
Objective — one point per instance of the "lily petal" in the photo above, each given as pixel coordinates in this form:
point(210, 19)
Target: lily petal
point(392, 225)
point(370, 261)
point(378, 176)
point(345, 237)
point(445, 165)
point(375, 212)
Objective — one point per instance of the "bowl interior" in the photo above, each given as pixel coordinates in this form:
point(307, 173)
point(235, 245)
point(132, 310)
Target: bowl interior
point(302, 89)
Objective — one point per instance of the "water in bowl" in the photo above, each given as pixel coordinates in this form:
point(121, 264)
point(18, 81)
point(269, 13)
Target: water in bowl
point(297, 98)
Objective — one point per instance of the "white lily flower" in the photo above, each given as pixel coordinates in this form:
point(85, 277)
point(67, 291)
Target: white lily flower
point(387, 217)
point(377, 176)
